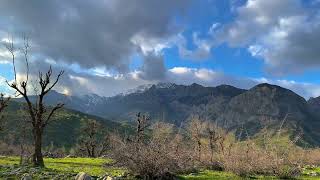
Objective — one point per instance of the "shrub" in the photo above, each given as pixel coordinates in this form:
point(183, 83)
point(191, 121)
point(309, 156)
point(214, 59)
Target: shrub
point(158, 157)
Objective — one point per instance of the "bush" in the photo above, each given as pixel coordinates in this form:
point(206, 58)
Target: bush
point(206, 146)
point(158, 157)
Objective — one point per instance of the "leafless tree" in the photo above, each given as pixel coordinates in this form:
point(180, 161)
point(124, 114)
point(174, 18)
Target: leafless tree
point(3, 104)
point(40, 115)
point(142, 124)
point(196, 131)
point(214, 136)
point(94, 141)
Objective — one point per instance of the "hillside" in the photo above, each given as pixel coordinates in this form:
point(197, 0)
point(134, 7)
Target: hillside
point(64, 129)
point(235, 109)
point(268, 105)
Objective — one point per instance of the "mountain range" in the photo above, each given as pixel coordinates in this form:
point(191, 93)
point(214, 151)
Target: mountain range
point(235, 109)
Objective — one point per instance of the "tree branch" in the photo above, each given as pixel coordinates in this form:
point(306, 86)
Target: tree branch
point(57, 107)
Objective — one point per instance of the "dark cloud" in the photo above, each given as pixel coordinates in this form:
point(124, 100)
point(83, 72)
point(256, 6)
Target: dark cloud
point(106, 33)
point(153, 68)
point(90, 33)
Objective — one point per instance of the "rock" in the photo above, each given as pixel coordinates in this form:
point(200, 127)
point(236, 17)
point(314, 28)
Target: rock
point(83, 176)
point(108, 178)
point(26, 176)
point(111, 178)
point(70, 156)
point(313, 174)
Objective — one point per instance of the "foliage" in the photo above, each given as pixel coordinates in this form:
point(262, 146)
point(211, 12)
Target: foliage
point(62, 132)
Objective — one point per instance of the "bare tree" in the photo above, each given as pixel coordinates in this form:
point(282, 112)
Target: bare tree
point(214, 136)
point(196, 131)
point(142, 124)
point(3, 104)
point(94, 141)
point(40, 115)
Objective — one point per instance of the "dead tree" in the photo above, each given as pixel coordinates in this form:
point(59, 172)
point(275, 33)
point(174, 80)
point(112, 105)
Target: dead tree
point(142, 124)
point(3, 104)
point(93, 142)
point(214, 137)
point(196, 130)
point(40, 115)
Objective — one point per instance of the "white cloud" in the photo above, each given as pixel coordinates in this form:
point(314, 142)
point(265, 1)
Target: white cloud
point(283, 33)
point(152, 44)
point(180, 70)
point(75, 83)
point(202, 49)
point(213, 28)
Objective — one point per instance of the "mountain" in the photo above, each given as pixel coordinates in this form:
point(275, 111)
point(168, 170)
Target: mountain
point(263, 106)
point(161, 101)
point(268, 105)
point(64, 130)
point(86, 104)
point(172, 103)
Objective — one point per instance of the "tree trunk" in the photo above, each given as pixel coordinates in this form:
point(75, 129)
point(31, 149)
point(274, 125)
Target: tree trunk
point(37, 156)
point(199, 150)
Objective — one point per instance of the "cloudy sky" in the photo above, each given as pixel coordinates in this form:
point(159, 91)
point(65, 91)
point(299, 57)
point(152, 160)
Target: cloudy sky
point(109, 46)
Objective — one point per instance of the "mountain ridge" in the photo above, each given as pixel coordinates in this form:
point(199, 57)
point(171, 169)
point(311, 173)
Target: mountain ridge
point(232, 108)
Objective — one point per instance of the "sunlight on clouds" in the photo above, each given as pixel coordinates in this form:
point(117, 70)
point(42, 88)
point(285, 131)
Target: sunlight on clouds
point(151, 44)
point(101, 71)
point(81, 80)
point(180, 70)
point(66, 92)
point(5, 40)
point(205, 74)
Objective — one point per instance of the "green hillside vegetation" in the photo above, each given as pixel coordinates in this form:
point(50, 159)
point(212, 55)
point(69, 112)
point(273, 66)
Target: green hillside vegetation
point(62, 132)
point(200, 150)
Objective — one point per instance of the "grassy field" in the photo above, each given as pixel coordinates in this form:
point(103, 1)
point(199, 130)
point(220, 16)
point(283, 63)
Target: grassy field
point(67, 168)
point(217, 175)
point(64, 166)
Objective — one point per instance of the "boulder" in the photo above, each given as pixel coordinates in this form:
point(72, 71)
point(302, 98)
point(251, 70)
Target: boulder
point(108, 178)
point(83, 176)
point(26, 176)
point(70, 156)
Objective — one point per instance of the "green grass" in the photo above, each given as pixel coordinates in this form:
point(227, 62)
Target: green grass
point(9, 160)
point(308, 170)
point(96, 167)
point(212, 175)
point(217, 175)
point(92, 166)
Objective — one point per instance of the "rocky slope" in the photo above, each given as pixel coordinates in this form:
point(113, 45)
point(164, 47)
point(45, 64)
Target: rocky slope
point(262, 106)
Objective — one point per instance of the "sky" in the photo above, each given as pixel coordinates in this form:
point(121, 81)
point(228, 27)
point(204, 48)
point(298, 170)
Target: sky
point(107, 47)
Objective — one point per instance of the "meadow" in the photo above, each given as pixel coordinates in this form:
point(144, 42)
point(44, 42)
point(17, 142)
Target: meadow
point(68, 168)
